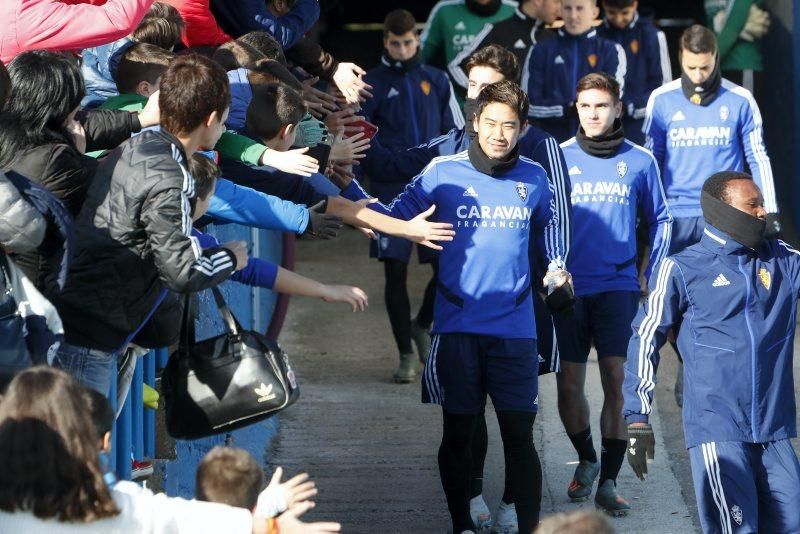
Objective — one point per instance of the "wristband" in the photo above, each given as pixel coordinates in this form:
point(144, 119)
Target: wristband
point(272, 526)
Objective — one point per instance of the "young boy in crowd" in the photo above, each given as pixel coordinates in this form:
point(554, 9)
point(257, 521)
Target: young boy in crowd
point(555, 66)
point(648, 66)
point(412, 102)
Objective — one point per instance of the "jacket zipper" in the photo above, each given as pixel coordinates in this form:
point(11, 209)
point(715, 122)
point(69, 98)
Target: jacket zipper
point(574, 66)
point(412, 112)
point(752, 352)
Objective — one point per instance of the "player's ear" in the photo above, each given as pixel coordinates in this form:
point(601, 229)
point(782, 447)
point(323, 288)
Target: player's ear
point(618, 109)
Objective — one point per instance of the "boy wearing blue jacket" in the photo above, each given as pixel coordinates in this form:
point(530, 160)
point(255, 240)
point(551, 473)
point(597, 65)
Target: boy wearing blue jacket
point(647, 58)
point(485, 335)
point(411, 102)
point(613, 181)
point(735, 293)
point(554, 67)
point(702, 122)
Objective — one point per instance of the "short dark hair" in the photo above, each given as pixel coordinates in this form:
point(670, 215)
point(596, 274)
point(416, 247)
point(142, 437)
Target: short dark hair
point(192, 88)
point(498, 58)
point(236, 55)
point(398, 22)
point(100, 412)
point(265, 44)
point(601, 81)
point(205, 173)
point(717, 184)
point(618, 4)
point(504, 92)
point(698, 39)
point(141, 62)
point(229, 476)
point(161, 26)
point(5, 86)
point(273, 106)
point(270, 71)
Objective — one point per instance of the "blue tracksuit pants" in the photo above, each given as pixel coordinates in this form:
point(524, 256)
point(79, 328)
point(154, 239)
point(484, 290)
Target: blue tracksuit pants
point(747, 487)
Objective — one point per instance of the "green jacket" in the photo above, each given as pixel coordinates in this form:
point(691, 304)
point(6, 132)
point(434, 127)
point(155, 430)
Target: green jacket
point(451, 26)
point(230, 145)
point(735, 53)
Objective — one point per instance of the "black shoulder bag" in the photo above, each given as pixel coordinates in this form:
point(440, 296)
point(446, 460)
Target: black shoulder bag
point(226, 382)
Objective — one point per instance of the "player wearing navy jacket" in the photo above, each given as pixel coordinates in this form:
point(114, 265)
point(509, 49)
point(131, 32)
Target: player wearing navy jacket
point(735, 293)
point(554, 67)
point(411, 102)
point(647, 60)
point(613, 182)
point(485, 337)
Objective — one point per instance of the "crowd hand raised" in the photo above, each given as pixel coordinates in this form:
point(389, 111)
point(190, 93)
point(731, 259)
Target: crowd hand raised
point(239, 249)
point(339, 122)
point(352, 295)
point(320, 224)
point(424, 232)
point(340, 174)
point(279, 496)
point(318, 102)
point(309, 132)
point(78, 134)
point(292, 161)
point(348, 79)
point(641, 447)
point(349, 148)
point(151, 113)
point(288, 522)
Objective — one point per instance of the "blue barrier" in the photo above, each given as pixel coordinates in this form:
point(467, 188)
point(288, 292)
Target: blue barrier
point(256, 309)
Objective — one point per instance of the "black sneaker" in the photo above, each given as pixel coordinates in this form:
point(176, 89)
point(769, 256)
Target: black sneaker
point(607, 500)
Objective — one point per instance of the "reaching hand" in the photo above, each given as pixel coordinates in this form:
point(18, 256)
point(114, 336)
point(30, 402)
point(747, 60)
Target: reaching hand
point(339, 122)
point(341, 174)
point(350, 148)
point(288, 522)
point(318, 102)
point(320, 224)
point(292, 161)
point(424, 232)
point(352, 295)
point(278, 497)
point(309, 132)
point(151, 113)
point(348, 79)
point(641, 447)
point(239, 249)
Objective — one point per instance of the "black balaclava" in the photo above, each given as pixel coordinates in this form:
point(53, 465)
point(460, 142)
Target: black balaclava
point(470, 107)
point(402, 66)
point(484, 11)
point(603, 146)
point(706, 92)
point(487, 165)
point(748, 230)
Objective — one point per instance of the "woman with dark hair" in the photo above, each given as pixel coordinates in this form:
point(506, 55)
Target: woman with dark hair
point(43, 135)
point(55, 485)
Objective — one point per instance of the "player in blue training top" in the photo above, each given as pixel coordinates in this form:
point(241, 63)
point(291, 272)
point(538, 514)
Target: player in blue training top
point(613, 182)
point(412, 102)
point(735, 293)
point(647, 59)
point(484, 331)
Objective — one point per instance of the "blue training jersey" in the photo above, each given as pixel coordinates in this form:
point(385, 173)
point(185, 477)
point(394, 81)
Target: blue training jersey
point(484, 274)
point(607, 195)
point(692, 142)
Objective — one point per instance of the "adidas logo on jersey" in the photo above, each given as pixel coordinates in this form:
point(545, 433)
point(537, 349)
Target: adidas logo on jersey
point(574, 170)
point(720, 281)
point(519, 44)
point(392, 92)
point(460, 26)
point(559, 60)
point(470, 192)
point(678, 116)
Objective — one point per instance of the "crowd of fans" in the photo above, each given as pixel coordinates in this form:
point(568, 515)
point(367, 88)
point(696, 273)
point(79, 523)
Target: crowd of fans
point(127, 126)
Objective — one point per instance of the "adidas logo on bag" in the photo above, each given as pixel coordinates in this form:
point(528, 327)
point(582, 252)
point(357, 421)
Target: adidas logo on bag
point(264, 392)
point(720, 281)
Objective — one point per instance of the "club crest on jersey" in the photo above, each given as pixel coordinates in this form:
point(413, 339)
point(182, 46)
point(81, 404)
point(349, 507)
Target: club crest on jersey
point(765, 277)
point(592, 60)
point(723, 113)
point(622, 169)
point(695, 99)
point(425, 85)
point(522, 190)
point(635, 46)
point(736, 513)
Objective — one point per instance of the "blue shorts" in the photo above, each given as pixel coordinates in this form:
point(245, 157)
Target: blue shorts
point(603, 320)
point(462, 368)
point(746, 487)
point(397, 248)
point(686, 231)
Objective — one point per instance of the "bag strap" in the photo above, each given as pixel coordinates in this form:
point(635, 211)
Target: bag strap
point(187, 326)
point(227, 316)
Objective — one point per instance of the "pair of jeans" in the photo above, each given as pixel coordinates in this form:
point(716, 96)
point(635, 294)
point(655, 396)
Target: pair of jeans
point(90, 367)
